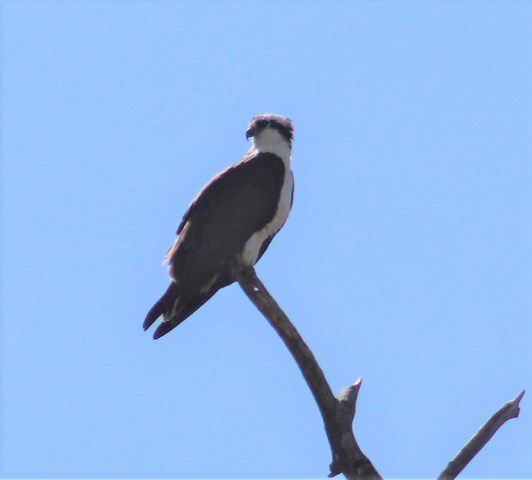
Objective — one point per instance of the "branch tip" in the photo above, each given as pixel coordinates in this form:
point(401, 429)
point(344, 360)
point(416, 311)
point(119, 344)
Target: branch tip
point(513, 406)
point(519, 397)
point(508, 411)
point(350, 393)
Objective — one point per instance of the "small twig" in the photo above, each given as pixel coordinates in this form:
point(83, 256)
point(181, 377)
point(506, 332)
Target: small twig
point(475, 444)
point(337, 413)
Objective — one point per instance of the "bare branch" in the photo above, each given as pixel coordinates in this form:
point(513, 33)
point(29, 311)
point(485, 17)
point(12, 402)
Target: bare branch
point(477, 442)
point(337, 413)
point(348, 397)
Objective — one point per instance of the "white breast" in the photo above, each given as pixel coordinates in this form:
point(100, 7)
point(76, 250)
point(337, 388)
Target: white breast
point(253, 245)
point(272, 142)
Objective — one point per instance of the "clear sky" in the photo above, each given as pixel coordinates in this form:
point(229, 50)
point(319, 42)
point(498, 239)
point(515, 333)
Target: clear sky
point(406, 259)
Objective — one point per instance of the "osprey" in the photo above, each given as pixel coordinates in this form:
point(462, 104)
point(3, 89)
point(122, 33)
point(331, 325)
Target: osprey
point(232, 220)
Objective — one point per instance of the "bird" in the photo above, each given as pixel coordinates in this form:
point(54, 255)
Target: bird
point(231, 221)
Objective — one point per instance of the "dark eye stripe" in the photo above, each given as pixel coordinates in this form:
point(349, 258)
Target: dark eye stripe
point(284, 131)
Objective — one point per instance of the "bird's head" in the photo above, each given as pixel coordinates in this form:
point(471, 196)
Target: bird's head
point(269, 130)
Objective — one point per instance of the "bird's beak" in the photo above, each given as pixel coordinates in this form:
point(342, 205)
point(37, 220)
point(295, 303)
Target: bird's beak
point(249, 133)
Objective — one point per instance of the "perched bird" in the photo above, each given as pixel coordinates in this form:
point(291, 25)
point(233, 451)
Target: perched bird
point(231, 221)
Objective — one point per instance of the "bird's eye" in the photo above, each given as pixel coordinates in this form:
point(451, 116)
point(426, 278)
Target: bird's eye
point(262, 124)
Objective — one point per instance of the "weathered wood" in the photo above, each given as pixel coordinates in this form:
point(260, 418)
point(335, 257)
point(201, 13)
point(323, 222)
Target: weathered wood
point(337, 413)
point(476, 443)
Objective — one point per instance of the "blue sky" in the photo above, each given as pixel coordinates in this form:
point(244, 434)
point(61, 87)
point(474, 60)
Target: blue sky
point(406, 259)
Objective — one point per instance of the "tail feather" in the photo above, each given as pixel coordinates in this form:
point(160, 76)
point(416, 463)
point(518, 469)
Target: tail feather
point(164, 328)
point(182, 310)
point(162, 306)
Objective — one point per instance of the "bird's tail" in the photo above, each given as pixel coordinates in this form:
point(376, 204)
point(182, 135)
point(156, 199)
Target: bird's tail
point(174, 308)
point(163, 306)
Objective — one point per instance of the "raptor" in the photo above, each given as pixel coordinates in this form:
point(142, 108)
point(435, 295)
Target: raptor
point(231, 221)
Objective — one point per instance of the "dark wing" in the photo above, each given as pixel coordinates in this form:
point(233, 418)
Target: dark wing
point(228, 210)
point(256, 179)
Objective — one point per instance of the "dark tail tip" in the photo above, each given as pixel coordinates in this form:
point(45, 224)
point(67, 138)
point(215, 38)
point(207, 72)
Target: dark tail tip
point(155, 312)
point(164, 328)
point(164, 304)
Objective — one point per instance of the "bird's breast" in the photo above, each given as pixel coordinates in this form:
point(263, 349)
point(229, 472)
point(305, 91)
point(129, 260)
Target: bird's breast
point(254, 243)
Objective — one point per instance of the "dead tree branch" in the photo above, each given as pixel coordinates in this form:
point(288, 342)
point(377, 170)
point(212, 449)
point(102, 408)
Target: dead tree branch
point(338, 412)
point(476, 443)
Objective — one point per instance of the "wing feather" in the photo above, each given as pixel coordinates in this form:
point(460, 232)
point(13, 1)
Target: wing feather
point(233, 206)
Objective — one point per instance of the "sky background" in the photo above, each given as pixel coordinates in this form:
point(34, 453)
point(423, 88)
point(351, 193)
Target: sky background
point(406, 259)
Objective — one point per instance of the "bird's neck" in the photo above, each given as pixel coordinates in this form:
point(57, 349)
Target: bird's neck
point(271, 141)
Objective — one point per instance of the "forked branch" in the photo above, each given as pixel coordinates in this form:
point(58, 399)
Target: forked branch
point(338, 412)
